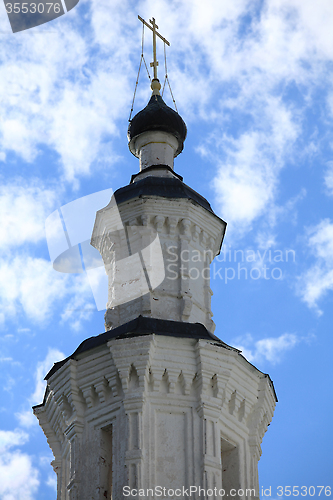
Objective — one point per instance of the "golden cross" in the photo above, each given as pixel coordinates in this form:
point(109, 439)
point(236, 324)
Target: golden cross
point(154, 27)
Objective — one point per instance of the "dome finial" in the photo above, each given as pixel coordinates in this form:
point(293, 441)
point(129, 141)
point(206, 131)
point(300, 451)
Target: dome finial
point(155, 84)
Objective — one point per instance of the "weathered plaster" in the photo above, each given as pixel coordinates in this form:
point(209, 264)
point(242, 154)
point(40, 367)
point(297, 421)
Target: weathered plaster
point(155, 410)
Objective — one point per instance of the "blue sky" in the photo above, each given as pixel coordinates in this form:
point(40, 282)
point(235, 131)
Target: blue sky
point(254, 83)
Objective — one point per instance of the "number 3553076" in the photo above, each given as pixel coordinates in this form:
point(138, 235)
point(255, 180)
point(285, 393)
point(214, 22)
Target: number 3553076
point(32, 8)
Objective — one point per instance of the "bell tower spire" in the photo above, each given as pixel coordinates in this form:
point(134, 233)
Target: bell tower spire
point(157, 404)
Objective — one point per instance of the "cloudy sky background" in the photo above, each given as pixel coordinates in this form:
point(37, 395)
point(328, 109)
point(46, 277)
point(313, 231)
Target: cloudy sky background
point(254, 84)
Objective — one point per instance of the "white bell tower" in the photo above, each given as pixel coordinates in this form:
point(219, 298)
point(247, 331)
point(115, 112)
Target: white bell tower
point(157, 406)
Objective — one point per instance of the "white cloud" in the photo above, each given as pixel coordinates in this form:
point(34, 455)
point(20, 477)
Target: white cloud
point(249, 162)
point(9, 383)
point(247, 177)
point(18, 477)
point(28, 284)
point(49, 477)
point(52, 481)
point(68, 86)
point(265, 240)
point(26, 417)
point(63, 91)
point(241, 82)
point(269, 349)
point(8, 439)
point(9, 361)
point(321, 241)
point(82, 118)
point(245, 183)
point(24, 208)
point(328, 178)
point(315, 282)
point(77, 310)
point(31, 286)
point(43, 367)
point(255, 47)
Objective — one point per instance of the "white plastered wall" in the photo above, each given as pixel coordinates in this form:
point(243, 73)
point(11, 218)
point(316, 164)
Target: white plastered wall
point(169, 408)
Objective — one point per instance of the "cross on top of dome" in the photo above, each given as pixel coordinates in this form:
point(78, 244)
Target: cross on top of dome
point(155, 84)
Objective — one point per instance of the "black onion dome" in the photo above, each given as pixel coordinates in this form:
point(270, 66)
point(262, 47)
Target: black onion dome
point(158, 116)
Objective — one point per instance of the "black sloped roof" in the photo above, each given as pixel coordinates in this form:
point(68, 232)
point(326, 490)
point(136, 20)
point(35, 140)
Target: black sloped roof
point(164, 187)
point(143, 326)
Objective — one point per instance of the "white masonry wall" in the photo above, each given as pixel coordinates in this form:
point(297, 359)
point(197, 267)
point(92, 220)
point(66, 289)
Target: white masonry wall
point(154, 148)
point(156, 411)
point(158, 263)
